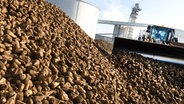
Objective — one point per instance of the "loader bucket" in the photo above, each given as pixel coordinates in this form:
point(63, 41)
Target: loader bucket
point(175, 52)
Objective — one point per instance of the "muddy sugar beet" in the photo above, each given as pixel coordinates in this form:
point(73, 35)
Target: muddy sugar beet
point(46, 58)
point(145, 80)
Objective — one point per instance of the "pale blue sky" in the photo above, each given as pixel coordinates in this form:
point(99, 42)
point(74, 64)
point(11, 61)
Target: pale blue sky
point(161, 12)
point(168, 13)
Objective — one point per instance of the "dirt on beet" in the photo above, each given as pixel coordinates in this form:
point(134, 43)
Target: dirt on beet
point(47, 58)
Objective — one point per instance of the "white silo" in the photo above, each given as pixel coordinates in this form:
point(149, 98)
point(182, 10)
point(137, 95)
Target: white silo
point(83, 13)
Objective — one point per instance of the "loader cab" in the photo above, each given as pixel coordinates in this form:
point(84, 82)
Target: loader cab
point(160, 35)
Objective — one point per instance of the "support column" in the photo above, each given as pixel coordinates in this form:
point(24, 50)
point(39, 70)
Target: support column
point(116, 31)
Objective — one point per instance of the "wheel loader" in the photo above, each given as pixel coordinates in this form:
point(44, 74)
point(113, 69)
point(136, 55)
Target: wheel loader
point(158, 41)
point(159, 34)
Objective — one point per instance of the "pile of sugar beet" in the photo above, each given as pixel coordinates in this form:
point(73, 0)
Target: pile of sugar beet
point(46, 58)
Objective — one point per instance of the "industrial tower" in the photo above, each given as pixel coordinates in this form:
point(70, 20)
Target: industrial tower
point(132, 19)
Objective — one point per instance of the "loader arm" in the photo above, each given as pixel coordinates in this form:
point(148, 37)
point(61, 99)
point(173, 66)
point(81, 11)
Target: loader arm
point(176, 52)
